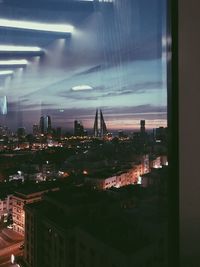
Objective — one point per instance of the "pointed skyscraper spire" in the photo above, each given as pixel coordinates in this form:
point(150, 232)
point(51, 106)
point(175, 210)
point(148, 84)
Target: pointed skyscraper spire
point(96, 124)
point(103, 129)
point(100, 128)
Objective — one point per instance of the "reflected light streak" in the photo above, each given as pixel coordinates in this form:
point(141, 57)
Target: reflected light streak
point(3, 105)
point(36, 62)
point(13, 62)
point(60, 45)
point(36, 59)
point(101, 1)
point(7, 82)
point(18, 73)
point(13, 48)
point(6, 72)
point(55, 52)
point(37, 26)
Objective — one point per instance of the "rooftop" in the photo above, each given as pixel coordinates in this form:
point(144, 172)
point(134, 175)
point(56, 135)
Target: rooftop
point(28, 189)
point(106, 173)
point(77, 196)
point(126, 230)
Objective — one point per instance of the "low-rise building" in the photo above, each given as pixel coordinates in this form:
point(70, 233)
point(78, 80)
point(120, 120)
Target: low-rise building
point(85, 228)
point(24, 196)
point(111, 178)
point(5, 205)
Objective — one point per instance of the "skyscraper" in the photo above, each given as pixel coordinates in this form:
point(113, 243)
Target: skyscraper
point(45, 124)
point(142, 126)
point(100, 128)
point(78, 128)
point(96, 124)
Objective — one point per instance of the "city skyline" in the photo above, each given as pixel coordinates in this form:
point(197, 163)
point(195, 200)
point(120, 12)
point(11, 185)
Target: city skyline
point(37, 126)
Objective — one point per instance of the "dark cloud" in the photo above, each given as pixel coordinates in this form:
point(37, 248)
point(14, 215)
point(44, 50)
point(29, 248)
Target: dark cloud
point(20, 106)
point(136, 109)
point(139, 88)
point(91, 70)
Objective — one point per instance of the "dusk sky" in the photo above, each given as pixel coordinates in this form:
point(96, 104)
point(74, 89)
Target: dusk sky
point(114, 59)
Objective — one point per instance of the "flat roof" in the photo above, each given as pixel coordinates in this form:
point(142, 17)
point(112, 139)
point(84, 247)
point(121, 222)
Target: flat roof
point(27, 190)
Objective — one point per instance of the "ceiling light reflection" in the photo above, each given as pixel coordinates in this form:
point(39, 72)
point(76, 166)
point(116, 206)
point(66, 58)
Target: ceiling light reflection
point(13, 62)
point(37, 26)
point(15, 48)
point(6, 72)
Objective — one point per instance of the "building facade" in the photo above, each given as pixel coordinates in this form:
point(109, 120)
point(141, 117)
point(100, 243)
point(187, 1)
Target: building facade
point(6, 206)
point(79, 233)
point(122, 178)
point(19, 200)
point(45, 124)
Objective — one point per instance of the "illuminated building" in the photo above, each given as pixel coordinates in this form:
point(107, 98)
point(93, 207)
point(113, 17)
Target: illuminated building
point(45, 124)
point(18, 176)
point(145, 163)
point(100, 129)
point(22, 197)
point(110, 178)
point(156, 162)
point(5, 205)
point(48, 170)
point(5, 131)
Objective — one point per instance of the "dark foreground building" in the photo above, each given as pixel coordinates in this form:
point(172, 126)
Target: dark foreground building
point(82, 228)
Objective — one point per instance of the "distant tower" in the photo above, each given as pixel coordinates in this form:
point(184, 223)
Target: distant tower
point(96, 124)
point(78, 128)
point(36, 130)
point(21, 132)
point(142, 126)
point(100, 128)
point(45, 124)
point(103, 128)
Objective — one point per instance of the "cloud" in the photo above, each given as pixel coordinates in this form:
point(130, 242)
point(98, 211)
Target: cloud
point(20, 106)
point(136, 109)
point(81, 88)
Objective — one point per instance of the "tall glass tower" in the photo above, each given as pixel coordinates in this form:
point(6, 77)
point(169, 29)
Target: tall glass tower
point(45, 124)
